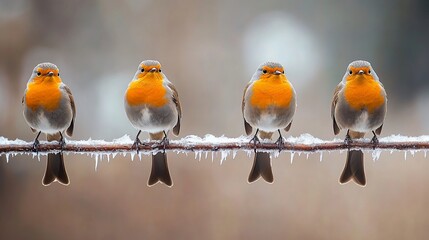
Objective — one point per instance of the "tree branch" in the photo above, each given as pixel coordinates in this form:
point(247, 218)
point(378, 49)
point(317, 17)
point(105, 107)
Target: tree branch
point(303, 143)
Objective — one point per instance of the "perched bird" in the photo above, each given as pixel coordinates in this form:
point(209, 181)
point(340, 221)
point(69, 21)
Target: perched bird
point(359, 105)
point(268, 105)
point(152, 105)
point(49, 108)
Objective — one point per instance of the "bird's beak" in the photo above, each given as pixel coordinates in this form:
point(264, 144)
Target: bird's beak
point(361, 72)
point(50, 74)
point(277, 72)
point(152, 70)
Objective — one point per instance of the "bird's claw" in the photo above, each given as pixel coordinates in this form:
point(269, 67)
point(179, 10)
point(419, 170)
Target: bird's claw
point(280, 143)
point(374, 140)
point(348, 140)
point(136, 144)
point(255, 141)
point(36, 146)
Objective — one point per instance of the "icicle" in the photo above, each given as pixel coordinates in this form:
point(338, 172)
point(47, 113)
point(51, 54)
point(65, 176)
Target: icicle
point(321, 156)
point(276, 154)
point(132, 154)
point(140, 156)
point(7, 157)
point(207, 153)
point(224, 155)
point(425, 153)
point(292, 154)
point(108, 157)
point(212, 156)
point(96, 162)
point(405, 155)
point(234, 153)
point(114, 154)
point(307, 155)
point(376, 154)
point(38, 157)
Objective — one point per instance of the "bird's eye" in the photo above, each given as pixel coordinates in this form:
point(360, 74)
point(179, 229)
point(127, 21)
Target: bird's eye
point(160, 70)
point(283, 72)
point(39, 73)
point(142, 70)
point(264, 71)
point(369, 71)
point(350, 72)
point(58, 74)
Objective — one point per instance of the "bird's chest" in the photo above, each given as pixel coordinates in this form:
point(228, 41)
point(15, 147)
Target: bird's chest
point(150, 93)
point(364, 95)
point(47, 96)
point(267, 94)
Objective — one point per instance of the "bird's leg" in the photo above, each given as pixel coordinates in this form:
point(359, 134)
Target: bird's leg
point(164, 141)
point(36, 143)
point(280, 141)
point(255, 140)
point(62, 141)
point(137, 142)
point(374, 139)
point(348, 139)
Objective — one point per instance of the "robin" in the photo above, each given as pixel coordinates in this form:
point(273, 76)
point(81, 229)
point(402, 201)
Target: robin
point(152, 105)
point(359, 105)
point(268, 105)
point(49, 108)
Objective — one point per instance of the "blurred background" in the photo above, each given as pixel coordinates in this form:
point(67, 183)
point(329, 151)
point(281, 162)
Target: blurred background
point(209, 50)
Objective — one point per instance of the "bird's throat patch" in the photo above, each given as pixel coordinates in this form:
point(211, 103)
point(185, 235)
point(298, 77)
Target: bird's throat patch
point(364, 94)
point(266, 93)
point(45, 94)
point(146, 91)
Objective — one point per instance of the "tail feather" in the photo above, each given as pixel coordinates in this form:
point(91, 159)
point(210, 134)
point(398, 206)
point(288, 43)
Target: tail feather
point(55, 168)
point(354, 168)
point(159, 172)
point(261, 168)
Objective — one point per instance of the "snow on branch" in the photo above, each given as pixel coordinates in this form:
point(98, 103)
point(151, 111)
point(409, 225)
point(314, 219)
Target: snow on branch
point(304, 143)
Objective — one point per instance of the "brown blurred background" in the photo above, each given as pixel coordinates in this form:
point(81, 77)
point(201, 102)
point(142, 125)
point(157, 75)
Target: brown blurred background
point(209, 50)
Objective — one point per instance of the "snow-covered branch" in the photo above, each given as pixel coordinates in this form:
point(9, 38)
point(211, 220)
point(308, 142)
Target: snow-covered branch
point(304, 143)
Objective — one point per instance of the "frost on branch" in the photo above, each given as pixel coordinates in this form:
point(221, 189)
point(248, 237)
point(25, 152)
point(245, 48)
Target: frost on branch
point(201, 147)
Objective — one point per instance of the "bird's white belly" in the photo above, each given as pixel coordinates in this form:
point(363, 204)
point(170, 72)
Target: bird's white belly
point(147, 124)
point(362, 123)
point(45, 126)
point(268, 123)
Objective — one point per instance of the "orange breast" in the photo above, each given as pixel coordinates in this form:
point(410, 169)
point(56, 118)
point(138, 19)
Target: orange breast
point(146, 91)
point(364, 94)
point(45, 94)
point(271, 92)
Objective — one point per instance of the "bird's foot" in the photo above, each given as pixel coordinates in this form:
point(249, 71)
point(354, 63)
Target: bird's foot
point(255, 141)
point(348, 140)
point(36, 146)
point(280, 143)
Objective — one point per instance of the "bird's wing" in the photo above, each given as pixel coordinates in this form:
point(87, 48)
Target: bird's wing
point(176, 101)
point(334, 104)
point(247, 126)
point(72, 104)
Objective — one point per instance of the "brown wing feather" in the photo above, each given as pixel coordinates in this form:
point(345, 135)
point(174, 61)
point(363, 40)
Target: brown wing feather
point(247, 126)
point(176, 101)
point(22, 102)
point(334, 104)
point(72, 104)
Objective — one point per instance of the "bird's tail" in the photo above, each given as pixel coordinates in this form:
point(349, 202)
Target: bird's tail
point(55, 168)
point(354, 168)
point(262, 163)
point(159, 172)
